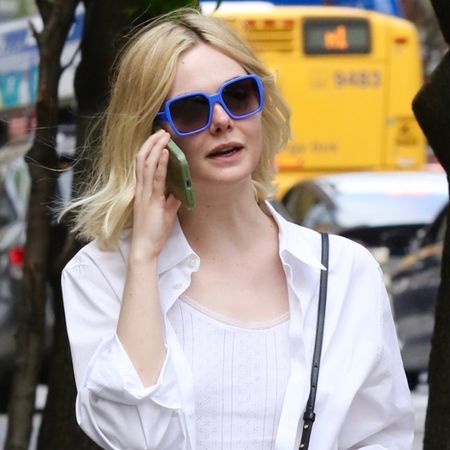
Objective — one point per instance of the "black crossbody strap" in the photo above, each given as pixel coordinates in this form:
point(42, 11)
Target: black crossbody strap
point(309, 415)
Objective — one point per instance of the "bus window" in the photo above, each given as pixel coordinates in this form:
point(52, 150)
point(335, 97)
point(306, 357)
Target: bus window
point(342, 71)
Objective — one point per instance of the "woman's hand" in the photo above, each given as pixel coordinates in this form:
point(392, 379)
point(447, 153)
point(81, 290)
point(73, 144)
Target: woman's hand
point(153, 214)
point(140, 327)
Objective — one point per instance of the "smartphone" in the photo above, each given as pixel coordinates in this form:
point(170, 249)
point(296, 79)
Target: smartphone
point(178, 179)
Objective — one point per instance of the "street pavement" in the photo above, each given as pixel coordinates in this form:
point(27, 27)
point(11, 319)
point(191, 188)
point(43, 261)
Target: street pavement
point(420, 397)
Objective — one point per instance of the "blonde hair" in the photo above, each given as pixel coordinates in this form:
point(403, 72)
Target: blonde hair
point(145, 72)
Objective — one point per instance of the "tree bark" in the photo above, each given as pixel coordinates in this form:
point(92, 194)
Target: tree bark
point(41, 159)
point(431, 107)
point(59, 429)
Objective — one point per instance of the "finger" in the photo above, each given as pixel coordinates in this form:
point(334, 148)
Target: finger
point(151, 163)
point(172, 202)
point(172, 206)
point(142, 155)
point(146, 147)
point(159, 180)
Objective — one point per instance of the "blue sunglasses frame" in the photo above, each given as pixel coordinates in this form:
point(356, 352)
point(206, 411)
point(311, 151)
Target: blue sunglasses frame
point(212, 99)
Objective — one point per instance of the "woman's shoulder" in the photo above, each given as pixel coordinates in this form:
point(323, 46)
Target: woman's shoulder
point(348, 248)
point(341, 249)
point(94, 255)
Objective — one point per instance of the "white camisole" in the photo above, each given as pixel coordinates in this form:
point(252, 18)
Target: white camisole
point(240, 374)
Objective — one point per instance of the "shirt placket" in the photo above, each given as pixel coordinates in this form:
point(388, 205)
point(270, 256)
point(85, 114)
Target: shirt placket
point(296, 393)
point(172, 285)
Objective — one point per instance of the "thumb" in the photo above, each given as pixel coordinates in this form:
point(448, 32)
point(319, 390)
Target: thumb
point(172, 206)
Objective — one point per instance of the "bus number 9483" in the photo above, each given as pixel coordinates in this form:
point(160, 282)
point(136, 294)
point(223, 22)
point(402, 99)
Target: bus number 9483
point(361, 79)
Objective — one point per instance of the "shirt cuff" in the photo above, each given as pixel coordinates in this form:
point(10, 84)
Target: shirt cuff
point(112, 376)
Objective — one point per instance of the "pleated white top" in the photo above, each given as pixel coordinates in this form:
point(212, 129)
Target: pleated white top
point(240, 374)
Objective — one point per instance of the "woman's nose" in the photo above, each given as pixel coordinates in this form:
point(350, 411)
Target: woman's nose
point(220, 120)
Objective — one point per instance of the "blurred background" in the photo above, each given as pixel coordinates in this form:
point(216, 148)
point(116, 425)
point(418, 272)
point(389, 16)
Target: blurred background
point(358, 163)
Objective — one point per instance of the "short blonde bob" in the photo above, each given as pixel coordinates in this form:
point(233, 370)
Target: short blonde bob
point(144, 75)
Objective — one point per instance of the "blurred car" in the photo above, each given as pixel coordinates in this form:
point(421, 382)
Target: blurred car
point(14, 188)
point(14, 194)
point(377, 209)
point(414, 292)
point(280, 208)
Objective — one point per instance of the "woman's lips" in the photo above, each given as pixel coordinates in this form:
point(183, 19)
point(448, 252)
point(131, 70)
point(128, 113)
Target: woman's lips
point(225, 151)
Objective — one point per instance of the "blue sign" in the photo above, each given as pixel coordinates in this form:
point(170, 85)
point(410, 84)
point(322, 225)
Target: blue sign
point(19, 60)
point(9, 86)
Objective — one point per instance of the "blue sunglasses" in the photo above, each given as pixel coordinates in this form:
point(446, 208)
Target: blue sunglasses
point(191, 113)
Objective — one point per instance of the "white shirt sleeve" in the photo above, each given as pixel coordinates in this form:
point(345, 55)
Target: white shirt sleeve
point(381, 414)
point(113, 407)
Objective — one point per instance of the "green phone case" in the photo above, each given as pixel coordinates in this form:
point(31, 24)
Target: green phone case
point(178, 180)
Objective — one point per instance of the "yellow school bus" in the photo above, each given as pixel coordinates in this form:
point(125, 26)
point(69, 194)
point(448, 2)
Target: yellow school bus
point(349, 76)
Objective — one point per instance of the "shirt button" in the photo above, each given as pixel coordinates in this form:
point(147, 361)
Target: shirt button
point(177, 286)
point(192, 262)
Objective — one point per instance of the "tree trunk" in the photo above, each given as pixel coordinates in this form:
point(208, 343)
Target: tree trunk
point(431, 107)
point(59, 429)
point(41, 159)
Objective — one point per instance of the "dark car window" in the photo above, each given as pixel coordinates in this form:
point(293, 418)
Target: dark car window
point(300, 201)
point(319, 217)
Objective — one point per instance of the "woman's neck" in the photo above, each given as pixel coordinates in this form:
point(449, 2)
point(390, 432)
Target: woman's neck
point(225, 222)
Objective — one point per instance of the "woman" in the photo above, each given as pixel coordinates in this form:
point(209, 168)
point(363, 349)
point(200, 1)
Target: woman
point(194, 328)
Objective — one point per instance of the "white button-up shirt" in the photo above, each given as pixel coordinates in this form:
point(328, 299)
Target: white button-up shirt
point(363, 401)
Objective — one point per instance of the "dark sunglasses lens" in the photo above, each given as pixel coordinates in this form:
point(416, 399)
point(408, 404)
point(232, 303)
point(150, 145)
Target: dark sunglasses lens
point(190, 113)
point(242, 97)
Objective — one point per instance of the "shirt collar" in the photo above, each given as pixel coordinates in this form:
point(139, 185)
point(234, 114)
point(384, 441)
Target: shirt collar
point(293, 239)
point(296, 240)
point(176, 250)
